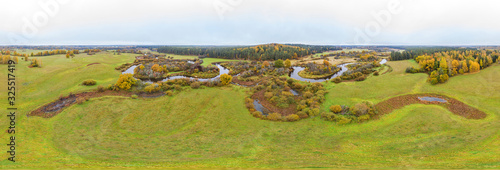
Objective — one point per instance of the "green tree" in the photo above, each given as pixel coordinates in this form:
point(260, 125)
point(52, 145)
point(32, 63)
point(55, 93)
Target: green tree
point(278, 63)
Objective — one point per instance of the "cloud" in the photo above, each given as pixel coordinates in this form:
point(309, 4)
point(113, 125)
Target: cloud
point(226, 22)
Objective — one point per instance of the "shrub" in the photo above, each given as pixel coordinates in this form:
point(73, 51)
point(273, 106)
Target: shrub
point(169, 93)
point(257, 114)
point(152, 88)
point(308, 94)
point(360, 109)
point(364, 118)
point(302, 114)
point(337, 80)
point(376, 73)
point(80, 100)
point(278, 63)
point(195, 85)
point(165, 86)
point(268, 94)
point(274, 116)
point(329, 116)
point(101, 89)
point(250, 105)
point(360, 78)
point(126, 81)
point(336, 108)
point(288, 63)
point(226, 79)
point(134, 96)
point(341, 119)
point(265, 64)
point(292, 118)
point(297, 85)
point(178, 87)
point(89, 82)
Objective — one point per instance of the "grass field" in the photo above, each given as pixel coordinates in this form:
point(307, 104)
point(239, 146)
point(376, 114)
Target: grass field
point(211, 127)
point(29, 51)
point(339, 51)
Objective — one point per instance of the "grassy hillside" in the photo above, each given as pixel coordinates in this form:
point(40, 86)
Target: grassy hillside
point(211, 127)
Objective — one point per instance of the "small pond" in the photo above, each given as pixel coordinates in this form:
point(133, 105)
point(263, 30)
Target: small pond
point(260, 108)
point(383, 61)
point(432, 99)
point(294, 92)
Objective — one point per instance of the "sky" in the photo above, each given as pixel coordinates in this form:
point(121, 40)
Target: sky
point(249, 22)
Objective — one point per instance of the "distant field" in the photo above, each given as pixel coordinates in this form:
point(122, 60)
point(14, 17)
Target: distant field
point(211, 128)
point(181, 56)
point(29, 51)
point(340, 51)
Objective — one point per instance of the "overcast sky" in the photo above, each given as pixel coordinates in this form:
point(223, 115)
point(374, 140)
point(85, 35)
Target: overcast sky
point(242, 22)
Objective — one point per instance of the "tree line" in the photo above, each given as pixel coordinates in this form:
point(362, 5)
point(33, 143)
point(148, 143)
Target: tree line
point(259, 52)
point(443, 65)
point(412, 52)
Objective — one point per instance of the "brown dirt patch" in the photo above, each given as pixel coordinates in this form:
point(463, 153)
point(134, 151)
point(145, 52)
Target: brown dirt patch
point(291, 109)
point(92, 64)
point(453, 105)
point(53, 108)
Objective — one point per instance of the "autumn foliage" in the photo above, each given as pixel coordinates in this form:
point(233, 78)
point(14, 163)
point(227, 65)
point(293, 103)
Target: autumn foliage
point(226, 79)
point(125, 82)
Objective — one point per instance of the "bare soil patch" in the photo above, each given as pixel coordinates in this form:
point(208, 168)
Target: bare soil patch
point(92, 64)
point(453, 105)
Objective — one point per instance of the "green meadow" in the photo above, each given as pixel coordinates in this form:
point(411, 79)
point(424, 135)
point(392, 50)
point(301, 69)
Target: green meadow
point(211, 128)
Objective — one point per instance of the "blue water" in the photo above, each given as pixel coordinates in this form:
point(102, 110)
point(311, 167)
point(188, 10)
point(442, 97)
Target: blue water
point(296, 70)
point(432, 99)
point(222, 70)
point(260, 108)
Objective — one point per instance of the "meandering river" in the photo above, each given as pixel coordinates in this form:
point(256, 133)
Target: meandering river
point(222, 70)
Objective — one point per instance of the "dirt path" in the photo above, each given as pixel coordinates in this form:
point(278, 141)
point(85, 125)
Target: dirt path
point(453, 105)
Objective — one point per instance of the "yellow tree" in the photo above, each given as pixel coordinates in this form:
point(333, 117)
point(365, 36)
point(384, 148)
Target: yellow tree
point(443, 64)
point(126, 81)
point(465, 67)
point(288, 63)
point(226, 79)
point(474, 67)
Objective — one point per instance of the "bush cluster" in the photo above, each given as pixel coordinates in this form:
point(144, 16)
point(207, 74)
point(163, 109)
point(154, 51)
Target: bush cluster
point(360, 112)
point(89, 82)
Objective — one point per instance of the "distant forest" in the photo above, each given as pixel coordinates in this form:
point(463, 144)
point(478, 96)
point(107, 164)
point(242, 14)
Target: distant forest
point(413, 52)
point(259, 52)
